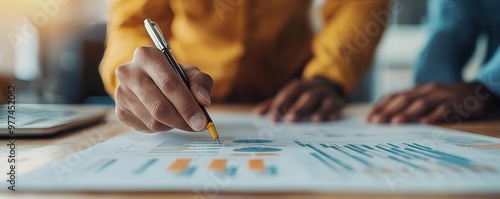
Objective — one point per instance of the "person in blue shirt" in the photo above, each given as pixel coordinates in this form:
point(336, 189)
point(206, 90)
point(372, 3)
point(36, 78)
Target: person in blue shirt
point(441, 93)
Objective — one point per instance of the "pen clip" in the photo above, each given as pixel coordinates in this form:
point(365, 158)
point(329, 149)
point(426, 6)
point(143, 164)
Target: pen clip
point(156, 34)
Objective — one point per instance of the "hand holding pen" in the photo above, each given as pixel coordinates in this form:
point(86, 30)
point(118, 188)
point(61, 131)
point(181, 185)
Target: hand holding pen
point(151, 96)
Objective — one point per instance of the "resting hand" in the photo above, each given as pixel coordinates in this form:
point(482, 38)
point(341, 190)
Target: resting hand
point(433, 103)
point(300, 100)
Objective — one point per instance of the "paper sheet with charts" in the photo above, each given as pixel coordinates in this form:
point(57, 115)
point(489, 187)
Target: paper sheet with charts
point(256, 155)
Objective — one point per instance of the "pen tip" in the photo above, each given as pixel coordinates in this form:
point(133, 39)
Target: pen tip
point(219, 141)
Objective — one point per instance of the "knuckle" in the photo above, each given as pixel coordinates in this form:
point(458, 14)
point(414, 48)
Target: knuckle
point(158, 110)
point(192, 69)
point(185, 107)
point(154, 125)
point(121, 113)
point(122, 71)
point(143, 51)
point(119, 93)
point(169, 83)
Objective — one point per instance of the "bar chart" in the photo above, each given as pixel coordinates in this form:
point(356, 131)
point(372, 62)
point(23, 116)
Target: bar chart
point(195, 147)
point(344, 157)
point(186, 167)
point(381, 158)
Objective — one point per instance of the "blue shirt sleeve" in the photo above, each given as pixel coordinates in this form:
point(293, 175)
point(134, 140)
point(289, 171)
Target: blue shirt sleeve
point(453, 31)
point(489, 75)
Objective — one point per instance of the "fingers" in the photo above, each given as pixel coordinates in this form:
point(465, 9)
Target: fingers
point(390, 108)
point(156, 66)
point(423, 103)
point(201, 85)
point(380, 105)
point(329, 110)
point(141, 119)
point(155, 103)
point(301, 99)
point(285, 98)
point(130, 119)
point(306, 104)
point(262, 108)
point(417, 108)
point(392, 103)
point(436, 115)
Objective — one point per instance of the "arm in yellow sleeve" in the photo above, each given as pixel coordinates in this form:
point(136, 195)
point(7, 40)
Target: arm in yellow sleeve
point(344, 49)
point(126, 32)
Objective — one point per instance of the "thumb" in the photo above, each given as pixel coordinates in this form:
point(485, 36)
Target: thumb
point(201, 85)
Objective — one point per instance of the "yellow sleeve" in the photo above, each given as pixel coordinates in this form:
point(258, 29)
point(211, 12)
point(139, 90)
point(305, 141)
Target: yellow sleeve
point(126, 32)
point(343, 50)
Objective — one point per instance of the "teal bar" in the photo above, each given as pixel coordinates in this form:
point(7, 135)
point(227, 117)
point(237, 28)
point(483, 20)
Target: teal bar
point(145, 166)
point(105, 165)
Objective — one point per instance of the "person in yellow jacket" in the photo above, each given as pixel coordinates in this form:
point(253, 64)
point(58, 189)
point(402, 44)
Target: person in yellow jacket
point(245, 51)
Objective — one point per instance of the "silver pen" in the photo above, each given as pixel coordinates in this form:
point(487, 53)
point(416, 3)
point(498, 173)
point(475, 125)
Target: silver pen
point(162, 44)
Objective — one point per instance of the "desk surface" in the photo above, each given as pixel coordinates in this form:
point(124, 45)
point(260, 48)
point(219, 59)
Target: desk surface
point(33, 153)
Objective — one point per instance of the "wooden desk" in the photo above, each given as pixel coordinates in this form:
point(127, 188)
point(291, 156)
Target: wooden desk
point(33, 153)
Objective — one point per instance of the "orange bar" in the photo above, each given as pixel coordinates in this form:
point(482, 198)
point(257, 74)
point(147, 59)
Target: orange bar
point(486, 146)
point(266, 154)
point(240, 154)
point(218, 165)
point(179, 165)
point(256, 164)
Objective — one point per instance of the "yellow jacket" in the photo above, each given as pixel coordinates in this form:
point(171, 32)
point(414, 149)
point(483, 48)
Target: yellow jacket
point(251, 48)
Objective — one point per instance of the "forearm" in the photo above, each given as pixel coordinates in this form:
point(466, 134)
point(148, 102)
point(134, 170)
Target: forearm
point(344, 49)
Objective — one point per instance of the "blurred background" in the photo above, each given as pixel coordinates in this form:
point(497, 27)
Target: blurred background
point(52, 48)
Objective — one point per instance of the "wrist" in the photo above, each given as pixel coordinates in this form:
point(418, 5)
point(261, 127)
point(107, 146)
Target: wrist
point(482, 91)
point(332, 85)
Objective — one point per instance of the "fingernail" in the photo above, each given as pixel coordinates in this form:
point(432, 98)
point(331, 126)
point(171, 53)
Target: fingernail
point(205, 95)
point(378, 119)
point(197, 122)
point(290, 117)
point(316, 118)
point(397, 120)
